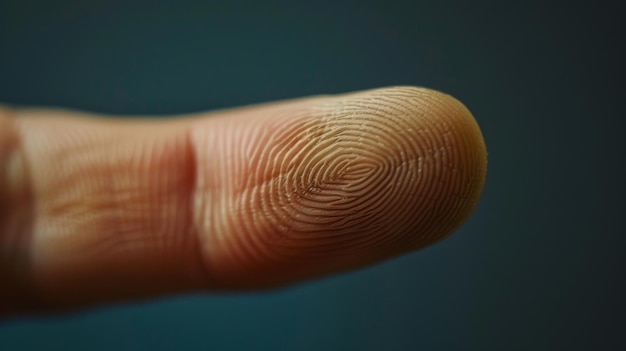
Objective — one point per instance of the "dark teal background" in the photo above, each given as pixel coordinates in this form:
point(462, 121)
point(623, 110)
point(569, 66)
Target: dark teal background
point(540, 265)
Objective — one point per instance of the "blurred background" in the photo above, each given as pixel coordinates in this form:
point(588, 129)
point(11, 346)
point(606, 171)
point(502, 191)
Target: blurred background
point(540, 265)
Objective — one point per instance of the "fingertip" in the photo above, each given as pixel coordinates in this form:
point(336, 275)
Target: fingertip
point(340, 182)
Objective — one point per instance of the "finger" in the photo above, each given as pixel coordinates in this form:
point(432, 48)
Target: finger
point(109, 209)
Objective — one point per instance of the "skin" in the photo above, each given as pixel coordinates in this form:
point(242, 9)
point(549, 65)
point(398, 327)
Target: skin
point(97, 209)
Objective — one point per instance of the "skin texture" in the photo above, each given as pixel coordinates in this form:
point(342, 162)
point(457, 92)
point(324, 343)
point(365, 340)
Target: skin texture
point(98, 209)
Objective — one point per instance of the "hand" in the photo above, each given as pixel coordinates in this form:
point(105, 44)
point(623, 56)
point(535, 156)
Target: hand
point(101, 209)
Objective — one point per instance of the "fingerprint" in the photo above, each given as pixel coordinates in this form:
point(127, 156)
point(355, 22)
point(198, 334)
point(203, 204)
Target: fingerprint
point(357, 176)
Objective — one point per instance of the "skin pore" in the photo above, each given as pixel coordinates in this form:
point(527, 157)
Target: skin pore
point(97, 209)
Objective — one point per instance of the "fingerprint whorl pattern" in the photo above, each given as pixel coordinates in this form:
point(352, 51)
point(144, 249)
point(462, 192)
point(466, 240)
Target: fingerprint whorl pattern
point(360, 166)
